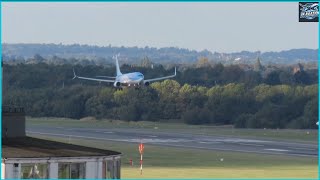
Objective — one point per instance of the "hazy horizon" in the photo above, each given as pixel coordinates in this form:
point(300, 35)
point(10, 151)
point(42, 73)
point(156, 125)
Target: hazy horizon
point(217, 27)
point(159, 47)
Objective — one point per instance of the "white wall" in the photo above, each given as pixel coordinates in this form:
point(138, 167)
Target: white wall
point(11, 172)
point(3, 170)
point(91, 170)
point(53, 170)
point(8, 171)
point(99, 169)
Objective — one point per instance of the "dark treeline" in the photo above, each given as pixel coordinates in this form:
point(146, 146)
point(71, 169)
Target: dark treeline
point(204, 95)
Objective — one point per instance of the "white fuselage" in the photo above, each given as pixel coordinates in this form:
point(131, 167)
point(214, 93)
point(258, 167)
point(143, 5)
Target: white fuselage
point(130, 79)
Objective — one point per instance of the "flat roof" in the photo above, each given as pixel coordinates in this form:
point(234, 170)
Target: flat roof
point(29, 147)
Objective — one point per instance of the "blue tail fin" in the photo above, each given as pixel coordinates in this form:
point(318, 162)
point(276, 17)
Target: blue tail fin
point(117, 65)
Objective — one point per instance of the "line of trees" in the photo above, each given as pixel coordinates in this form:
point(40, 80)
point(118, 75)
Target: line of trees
point(29, 76)
point(47, 90)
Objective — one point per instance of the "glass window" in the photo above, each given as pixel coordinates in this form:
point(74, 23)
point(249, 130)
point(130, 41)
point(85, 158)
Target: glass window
point(77, 171)
point(34, 171)
point(71, 171)
point(111, 169)
point(117, 166)
point(64, 171)
point(108, 169)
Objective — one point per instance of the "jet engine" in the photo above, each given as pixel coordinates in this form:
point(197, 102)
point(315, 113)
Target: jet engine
point(116, 84)
point(146, 83)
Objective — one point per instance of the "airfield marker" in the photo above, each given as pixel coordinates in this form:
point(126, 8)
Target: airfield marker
point(141, 164)
point(141, 148)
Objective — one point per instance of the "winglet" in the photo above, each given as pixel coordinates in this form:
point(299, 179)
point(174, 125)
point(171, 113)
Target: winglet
point(175, 71)
point(74, 74)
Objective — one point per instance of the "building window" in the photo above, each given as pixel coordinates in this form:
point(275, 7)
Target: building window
point(117, 168)
point(71, 171)
point(34, 171)
point(108, 169)
point(111, 169)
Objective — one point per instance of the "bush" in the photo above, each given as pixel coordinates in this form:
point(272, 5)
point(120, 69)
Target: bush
point(197, 116)
point(242, 119)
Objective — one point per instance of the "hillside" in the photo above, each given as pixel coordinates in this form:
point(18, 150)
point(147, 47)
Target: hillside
point(132, 55)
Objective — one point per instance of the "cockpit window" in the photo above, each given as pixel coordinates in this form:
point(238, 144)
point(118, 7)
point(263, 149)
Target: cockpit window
point(140, 75)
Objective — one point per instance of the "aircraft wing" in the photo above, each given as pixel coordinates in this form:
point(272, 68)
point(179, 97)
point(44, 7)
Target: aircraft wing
point(111, 77)
point(161, 78)
point(91, 79)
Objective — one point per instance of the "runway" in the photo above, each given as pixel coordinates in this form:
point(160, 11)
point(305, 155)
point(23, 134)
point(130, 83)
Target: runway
point(182, 140)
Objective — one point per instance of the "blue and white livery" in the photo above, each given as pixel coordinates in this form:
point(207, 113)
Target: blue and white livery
point(134, 79)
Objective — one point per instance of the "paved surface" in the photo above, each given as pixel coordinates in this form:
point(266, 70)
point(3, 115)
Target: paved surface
point(222, 143)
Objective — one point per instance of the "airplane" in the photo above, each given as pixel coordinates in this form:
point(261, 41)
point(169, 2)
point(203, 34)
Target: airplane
point(134, 79)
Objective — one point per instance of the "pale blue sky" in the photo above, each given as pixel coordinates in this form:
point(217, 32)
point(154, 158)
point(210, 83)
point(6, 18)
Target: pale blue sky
point(221, 27)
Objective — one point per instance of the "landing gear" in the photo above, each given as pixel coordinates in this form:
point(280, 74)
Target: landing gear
point(137, 86)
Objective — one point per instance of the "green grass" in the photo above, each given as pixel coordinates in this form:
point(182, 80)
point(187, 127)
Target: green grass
point(276, 172)
point(169, 162)
point(308, 136)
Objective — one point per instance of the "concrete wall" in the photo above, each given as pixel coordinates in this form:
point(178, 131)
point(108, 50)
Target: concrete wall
point(13, 122)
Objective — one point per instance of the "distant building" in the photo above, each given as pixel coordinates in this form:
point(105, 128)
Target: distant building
point(298, 68)
point(27, 157)
point(257, 66)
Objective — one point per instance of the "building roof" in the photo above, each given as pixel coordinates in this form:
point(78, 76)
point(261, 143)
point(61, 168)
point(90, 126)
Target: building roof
point(29, 147)
point(7, 110)
point(12, 109)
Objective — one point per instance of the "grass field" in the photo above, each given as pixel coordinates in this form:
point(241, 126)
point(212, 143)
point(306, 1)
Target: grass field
point(309, 136)
point(169, 162)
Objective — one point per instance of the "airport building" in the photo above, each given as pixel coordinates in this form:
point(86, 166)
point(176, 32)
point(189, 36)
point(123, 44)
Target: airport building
point(27, 157)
